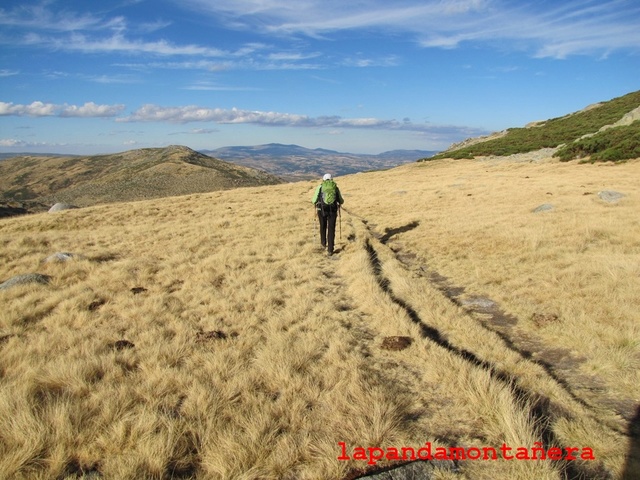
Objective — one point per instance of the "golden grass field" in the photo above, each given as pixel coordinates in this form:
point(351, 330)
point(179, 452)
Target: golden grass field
point(208, 336)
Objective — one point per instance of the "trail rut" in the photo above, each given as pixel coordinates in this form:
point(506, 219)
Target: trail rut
point(543, 410)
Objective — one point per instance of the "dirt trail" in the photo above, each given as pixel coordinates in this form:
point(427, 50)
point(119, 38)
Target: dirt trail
point(544, 411)
point(560, 364)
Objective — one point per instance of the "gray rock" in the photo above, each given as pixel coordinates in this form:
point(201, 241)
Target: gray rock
point(478, 302)
point(610, 196)
point(420, 470)
point(545, 207)
point(61, 257)
point(58, 207)
point(25, 279)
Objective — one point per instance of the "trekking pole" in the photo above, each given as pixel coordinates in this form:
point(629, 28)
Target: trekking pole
point(340, 217)
point(315, 219)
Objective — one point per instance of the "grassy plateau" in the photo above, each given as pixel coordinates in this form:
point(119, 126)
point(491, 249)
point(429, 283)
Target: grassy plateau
point(209, 336)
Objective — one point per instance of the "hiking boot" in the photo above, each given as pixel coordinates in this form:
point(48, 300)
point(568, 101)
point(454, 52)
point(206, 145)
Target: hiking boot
point(329, 254)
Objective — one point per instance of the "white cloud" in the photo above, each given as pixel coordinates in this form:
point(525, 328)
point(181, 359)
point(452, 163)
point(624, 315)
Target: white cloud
point(13, 143)
point(387, 61)
point(193, 113)
point(548, 29)
point(289, 56)
point(10, 142)
point(197, 131)
point(112, 79)
point(43, 18)
point(210, 86)
point(203, 131)
point(118, 43)
point(90, 109)
point(34, 109)
point(41, 109)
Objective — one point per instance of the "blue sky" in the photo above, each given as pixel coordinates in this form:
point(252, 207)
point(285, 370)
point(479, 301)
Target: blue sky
point(362, 76)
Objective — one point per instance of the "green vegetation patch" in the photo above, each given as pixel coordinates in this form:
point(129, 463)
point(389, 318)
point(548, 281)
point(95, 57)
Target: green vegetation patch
point(19, 194)
point(551, 133)
point(611, 145)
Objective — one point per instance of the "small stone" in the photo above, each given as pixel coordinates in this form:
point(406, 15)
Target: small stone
point(122, 344)
point(396, 343)
point(479, 302)
point(95, 305)
point(545, 207)
point(542, 319)
point(61, 257)
point(25, 279)
point(212, 335)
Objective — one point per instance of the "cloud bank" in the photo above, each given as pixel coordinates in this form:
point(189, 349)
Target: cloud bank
point(41, 109)
point(193, 113)
point(233, 116)
point(547, 28)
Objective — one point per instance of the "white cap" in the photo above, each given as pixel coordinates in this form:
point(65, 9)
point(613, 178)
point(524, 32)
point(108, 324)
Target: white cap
point(327, 176)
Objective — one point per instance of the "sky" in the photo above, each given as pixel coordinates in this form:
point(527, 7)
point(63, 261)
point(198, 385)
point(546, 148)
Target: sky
point(359, 76)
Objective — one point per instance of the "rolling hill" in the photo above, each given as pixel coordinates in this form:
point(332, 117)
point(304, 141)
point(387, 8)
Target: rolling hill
point(132, 175)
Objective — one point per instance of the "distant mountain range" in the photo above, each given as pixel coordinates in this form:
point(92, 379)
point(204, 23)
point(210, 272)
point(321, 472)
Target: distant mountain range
point(293, 162)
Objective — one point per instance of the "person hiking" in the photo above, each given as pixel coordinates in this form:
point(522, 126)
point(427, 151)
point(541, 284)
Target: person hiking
point(327, 199)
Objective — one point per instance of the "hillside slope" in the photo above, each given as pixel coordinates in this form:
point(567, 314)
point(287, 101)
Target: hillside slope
point(210, 337)
point(623, 113)
point(127, 176)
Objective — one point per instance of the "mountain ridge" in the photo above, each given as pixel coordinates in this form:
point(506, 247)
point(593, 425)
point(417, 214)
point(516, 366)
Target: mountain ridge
point(34, 182)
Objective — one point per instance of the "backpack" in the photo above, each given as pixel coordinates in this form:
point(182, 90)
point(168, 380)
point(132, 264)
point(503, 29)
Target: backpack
point(329, 193)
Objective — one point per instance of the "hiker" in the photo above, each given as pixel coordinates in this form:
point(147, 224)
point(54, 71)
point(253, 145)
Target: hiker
point(327, 199)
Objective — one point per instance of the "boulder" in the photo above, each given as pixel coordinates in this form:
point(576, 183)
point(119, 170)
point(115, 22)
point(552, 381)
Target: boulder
point(58, 207)
point(25, 279)
point(610, 196)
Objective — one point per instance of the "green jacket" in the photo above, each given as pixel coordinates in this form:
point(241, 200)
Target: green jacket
point(316, 195)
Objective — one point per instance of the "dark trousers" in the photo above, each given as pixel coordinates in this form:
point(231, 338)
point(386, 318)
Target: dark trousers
point(327, 228)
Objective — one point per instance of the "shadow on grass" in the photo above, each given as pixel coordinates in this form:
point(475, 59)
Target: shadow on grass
point(632, 465)
point(390, 232)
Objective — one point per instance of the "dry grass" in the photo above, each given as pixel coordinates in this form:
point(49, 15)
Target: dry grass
point(208, 337)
